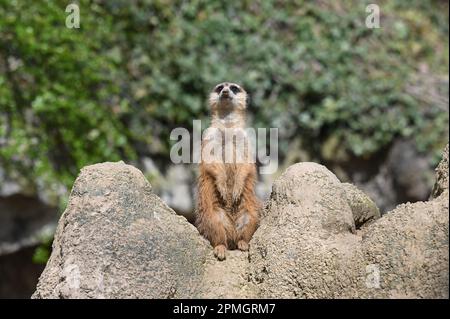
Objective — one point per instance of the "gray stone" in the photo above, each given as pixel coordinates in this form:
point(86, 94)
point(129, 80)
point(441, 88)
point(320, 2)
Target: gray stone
point(117, 239)
point(306, 246)
point(363, 208)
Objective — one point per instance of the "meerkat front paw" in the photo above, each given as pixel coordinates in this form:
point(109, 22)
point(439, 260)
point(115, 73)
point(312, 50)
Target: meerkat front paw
point(219, 252)
point(242, 245)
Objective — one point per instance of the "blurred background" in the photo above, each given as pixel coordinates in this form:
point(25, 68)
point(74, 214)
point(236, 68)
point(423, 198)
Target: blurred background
point(370, 104)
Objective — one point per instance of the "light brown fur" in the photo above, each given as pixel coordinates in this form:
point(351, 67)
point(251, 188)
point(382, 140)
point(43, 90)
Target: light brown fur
point(227, 211)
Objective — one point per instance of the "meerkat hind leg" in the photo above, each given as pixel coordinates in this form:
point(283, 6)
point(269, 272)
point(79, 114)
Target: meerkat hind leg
point(246, 224)
point(219, 230)
point(242, 245)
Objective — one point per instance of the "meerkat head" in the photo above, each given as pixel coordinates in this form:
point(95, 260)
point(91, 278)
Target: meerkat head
point(228, 96)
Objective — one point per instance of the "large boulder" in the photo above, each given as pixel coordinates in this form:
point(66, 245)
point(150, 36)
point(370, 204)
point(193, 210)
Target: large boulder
point(228, 278)
point(306, 243)
point(117, 239)
point(408, 248)
point(307, 247)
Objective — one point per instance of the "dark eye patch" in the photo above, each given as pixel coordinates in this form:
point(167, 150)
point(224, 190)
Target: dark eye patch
point(235, 89)
point(219, 88)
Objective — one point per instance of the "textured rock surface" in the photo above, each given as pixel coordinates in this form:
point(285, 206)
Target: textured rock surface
point(306, 247)
point(363, 208)
point(117, 239)
point(318, 238)
point(228, 278)
point(410, 248)
point(441, 184)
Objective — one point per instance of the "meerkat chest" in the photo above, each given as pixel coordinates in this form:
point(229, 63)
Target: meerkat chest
point(230, 171)
point(234, 145)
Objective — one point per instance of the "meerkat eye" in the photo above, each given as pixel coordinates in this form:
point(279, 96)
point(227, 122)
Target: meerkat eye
point(235, 89)
point(218, 89)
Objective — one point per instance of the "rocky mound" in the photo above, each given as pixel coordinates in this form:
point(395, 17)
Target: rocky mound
point(117, 239)
point(319, 238)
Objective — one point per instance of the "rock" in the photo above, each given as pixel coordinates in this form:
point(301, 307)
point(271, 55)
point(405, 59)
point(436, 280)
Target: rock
point(229, 278)
point(306, 246)
point(318, 238)
point(117, 239)
point(397, 174)
point(363, 208)
point(409, 246)
point(409, 249)
point(410, 170)
point(441, 184)
point(175, 187)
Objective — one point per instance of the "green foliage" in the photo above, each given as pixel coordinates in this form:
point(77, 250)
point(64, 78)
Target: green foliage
point(115, 88)
point(60, 106)
point(42, 252)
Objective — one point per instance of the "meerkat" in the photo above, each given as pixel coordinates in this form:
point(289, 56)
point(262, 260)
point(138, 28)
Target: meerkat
point(227, 212)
